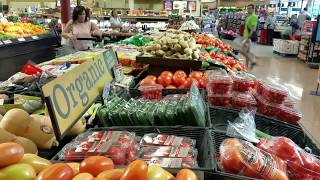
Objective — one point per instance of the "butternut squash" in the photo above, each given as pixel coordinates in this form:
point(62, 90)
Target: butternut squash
point(16, 121)
point(28, 145)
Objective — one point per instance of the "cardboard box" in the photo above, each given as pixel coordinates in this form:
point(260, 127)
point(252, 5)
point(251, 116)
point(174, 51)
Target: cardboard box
point(286, 46)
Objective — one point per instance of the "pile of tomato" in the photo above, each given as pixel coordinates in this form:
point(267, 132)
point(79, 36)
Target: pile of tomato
point(230, 62)
point(177, 80)
point(206, 40)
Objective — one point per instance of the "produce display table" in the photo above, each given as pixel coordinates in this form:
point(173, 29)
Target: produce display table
point(14, 55)
point(193, 106)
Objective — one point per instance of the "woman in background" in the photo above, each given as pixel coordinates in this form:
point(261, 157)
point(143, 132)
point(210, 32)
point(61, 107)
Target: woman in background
point(80, 27)
point(115, 20)
point(288, 32)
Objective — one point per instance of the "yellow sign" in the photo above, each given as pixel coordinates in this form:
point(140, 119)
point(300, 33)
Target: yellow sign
point(73, 93)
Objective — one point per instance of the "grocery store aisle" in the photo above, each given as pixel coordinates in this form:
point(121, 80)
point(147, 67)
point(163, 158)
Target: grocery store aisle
point(300, 80)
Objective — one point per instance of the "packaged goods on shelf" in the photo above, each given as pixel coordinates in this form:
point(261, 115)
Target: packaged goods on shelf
point(220, 99)
point(153, 139)
point(242, 82)
point(219, 82)
point(274, 93)
point(148, 152)
point(173, 162)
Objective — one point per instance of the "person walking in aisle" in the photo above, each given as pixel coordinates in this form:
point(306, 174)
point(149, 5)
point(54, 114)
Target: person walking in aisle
point(249, 35)
point(303, 16)
point(271, 25)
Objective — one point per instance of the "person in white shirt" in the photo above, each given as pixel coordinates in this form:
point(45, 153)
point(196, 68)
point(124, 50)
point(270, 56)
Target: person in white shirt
point(271, 25)
point(303, 16)
point(2, 18)
point(115, 20)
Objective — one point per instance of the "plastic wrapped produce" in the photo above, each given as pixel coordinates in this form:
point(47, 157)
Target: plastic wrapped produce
point(220, 99)
point(173, 162)
point(154, 139)
point(151, 91)
point(148, 152)
point(265, 107)
point(241, 157)
point(242, 82)
point(240, 100)
point(219, 82)
point(301, 165)
point(289, 115)
point(274, 93)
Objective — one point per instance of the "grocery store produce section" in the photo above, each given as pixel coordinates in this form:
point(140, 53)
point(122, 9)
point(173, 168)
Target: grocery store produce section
point(155, 106)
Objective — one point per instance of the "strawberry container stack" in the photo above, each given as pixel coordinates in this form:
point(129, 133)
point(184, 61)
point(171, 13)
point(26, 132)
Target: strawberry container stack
point(219, 88)
point(273, 100)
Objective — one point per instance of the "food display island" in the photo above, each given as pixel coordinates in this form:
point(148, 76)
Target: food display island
point(168, 104)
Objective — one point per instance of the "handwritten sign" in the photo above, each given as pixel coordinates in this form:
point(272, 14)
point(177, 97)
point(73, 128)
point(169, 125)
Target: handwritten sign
point(70, 96)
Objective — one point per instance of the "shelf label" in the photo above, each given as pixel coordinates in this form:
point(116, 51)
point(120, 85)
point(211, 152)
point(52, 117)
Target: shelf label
point(21, 39)
point(68, 97)
point(7, 41)
point(34, 37)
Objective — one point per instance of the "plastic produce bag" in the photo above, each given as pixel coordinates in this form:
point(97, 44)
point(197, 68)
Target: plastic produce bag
point(197, 106)
point(242, 157)
point(173, 162)
point(153, 139)
point(301, 165)
point(244, 126)
point(148, 152)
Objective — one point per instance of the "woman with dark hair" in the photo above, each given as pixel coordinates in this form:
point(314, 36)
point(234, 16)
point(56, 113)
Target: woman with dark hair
point(288, 32)
point(80, 27)
point(115, 20)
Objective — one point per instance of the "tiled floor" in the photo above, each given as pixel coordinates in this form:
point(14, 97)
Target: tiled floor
point(298, 78)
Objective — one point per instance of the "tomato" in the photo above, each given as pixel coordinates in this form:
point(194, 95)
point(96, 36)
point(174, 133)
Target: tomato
point(231, 161)
point(166, 73)
point(249, 172)
point(171, 87)
point(95, 165)
point(151, 77)
point(203, 82)
point(111, 174)
point(279, 175)
point(186, 174)
point(190, 81)
point(178, 80)
point(180, 73)
point(10, 153)
point(231, 144)
point(75, 167)
point(117, 155)
point(147, 82)
point(164, 80)
point(59, 171)
point(83, 176)
point(196, 75)
point(138, 169)
point(284, 148)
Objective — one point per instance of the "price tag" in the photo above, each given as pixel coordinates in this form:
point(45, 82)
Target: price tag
point(117, 70)
point(21, 39)
point(7, 42)
point(1, 102)
point(106, 92)
point(34, 37)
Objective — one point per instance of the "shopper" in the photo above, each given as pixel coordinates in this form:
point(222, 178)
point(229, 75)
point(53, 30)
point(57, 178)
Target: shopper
point(289, 31)
point(80, 27)
point(271, 25)
point(303, 16)
point(249, 35)
point(115, 20)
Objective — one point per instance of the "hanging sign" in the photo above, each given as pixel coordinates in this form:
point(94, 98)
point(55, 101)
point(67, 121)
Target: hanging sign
point(71, 95)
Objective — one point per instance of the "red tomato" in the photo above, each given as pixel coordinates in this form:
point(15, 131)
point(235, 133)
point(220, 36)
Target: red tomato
point(231, 161)
point(186, 174)
point(117, 155)
point(190, 81)
point(166, 73)
point(111, 174)
point(249, 172)
point(171, 87)
point(95, 165)
point(178, 80)
point(146, 81)
point(164, 80)
point(11, 153)
point(284, 148)
point(151, 77)
point(203, 82)
point(196, 75)
point(180, 73)
point(59, 171)
point(138, 169)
